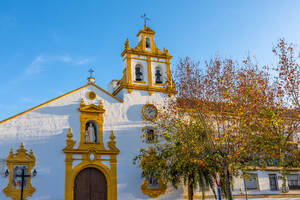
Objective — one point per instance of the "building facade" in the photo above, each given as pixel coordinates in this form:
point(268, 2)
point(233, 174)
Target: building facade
point(81, 145)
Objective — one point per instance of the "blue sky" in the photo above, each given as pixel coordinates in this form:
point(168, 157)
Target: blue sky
point(47, 47)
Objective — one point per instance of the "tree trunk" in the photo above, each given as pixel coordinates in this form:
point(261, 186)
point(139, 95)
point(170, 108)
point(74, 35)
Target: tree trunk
point(190, 189)
point(227, 184)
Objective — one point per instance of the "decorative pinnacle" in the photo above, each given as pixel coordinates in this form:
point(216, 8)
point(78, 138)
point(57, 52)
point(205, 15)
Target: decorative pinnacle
point(127, 44)
point(11, 153)
point(21, 149)
point(31, 153)
point(70, 134)
point(112, 137)
point(101, 103)
point(166, 51)
point(82, 102)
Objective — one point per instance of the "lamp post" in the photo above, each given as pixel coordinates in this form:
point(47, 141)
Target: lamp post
point(245, 188)
point(23, 176)
point(218, 182)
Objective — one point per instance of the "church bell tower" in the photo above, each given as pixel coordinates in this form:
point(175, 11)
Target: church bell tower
point(146, 67)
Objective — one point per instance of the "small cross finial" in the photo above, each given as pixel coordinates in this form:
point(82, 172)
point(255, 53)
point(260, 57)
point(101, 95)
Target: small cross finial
point(144, 16)
point(91, 72)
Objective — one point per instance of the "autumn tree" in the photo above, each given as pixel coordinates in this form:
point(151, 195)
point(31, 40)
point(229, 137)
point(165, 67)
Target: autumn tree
point(288, 73)
point(287, 83)
point(175, 156)
point(230, 117)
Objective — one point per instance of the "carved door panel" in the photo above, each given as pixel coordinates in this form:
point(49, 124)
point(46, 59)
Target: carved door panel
point(90, 184)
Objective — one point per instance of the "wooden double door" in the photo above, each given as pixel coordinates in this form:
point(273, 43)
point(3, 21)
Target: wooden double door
point(90, 184)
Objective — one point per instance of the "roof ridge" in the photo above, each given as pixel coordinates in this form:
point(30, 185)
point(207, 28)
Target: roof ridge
point(100, 88)
point(47, 102)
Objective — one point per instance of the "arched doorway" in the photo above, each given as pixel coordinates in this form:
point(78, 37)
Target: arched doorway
point(90, 184)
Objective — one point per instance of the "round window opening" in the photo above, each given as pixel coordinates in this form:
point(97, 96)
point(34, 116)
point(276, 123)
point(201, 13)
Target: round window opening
point(92, 95)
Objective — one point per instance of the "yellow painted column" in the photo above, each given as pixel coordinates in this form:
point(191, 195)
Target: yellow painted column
point(129, 69)
point(68, 177)
point(114, 184)
point(149, 74)
point(169, 72)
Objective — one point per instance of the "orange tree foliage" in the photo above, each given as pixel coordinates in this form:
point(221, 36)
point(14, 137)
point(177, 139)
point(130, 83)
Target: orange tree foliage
point(226, 118)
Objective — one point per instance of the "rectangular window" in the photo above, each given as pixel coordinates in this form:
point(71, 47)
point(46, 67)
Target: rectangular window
point(150, 135)
point(153, 182)
point(251, 183)
point(293, 181)
point(273, 182)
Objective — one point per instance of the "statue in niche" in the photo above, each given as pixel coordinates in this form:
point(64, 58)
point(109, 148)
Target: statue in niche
point(90, 133)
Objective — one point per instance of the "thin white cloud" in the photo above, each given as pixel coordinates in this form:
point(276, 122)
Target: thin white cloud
point(39, 63)
point(84, 61)
point(34, 69)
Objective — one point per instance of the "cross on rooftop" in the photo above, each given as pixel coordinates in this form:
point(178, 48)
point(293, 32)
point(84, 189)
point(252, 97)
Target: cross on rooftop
point(145, 19)
point(91, 72)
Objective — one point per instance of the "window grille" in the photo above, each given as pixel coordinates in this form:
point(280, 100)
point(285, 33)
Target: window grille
point(251, 183)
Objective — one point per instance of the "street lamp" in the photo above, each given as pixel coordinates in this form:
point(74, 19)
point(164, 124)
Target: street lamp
point(23, 176)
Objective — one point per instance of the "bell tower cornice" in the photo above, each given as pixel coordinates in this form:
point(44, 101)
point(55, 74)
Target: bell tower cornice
point(142, 50)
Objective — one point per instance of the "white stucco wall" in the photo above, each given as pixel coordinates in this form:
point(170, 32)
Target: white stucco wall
point(44, 131)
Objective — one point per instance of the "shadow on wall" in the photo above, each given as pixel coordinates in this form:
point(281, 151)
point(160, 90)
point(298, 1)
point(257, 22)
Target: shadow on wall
point(59, 110)
point(50, 165)
point(134, 113)
point(129, 175)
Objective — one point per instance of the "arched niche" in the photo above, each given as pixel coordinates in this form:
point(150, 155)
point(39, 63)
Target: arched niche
point(91, 120)
point(91, 132)
point(158, 75)
point(148, 43)
point(139, 72)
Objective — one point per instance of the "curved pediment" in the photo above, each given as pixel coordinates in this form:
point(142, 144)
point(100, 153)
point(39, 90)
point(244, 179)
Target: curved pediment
point(92, 108)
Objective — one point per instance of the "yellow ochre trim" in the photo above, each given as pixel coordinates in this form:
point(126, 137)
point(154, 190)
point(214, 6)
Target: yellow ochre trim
point(98, 150)
point(249, 196)
point(121, 101)
point(144, 114)
point(169, 90)
point(146, 30)
point(92, 95)
point(144, 59)
point(144, 82)
point(43, 104)
point(129, 69)
point(36, 107)
point(153, 192)
point(20, 158)
point(149, 71)
point(273, 169)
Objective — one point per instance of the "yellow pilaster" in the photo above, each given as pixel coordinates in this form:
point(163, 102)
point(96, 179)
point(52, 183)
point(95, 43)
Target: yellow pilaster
point(169, 72)
point(20, 159)
point(129, 69)
point(68, 176)
point(149, 74)
point(91, 153)
point(113, 166)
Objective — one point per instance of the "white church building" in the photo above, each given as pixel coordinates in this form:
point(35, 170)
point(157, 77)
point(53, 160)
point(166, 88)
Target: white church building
point(81, 145)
